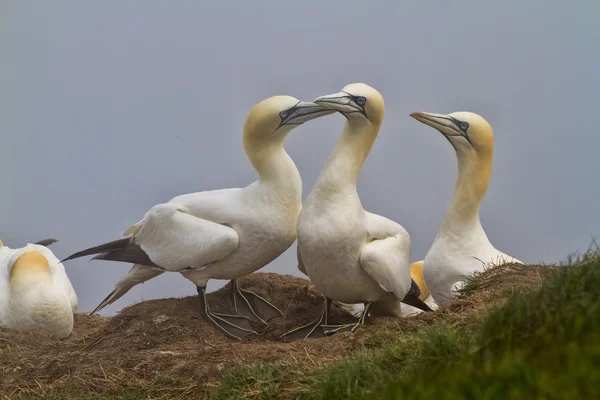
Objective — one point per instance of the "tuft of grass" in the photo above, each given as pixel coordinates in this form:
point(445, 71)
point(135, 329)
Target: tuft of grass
point(255, 381)
point(472, 282)
point(593, 252)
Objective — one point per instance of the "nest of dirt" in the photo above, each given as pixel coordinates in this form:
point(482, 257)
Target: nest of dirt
point(165, 346)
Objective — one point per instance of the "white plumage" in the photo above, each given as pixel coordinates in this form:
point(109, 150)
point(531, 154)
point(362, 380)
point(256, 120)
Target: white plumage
point(351, 255)
point(35, 291)
point(462, 246)
point(224, 234)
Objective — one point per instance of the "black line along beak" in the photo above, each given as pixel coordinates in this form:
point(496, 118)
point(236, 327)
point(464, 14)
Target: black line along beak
point(303, 112)
point(343, 102)
point(445, 124)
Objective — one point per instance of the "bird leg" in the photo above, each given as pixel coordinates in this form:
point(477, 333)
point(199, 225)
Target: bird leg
point(236, 326)
point(251, 305)
point(312, 330)
point(331, 329)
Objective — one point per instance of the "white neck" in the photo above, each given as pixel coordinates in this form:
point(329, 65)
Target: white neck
point(274, 166)
point(343, 165)
point(462, 214)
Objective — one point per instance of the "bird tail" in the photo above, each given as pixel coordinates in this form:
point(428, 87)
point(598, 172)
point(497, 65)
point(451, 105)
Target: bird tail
point(115, 245)
point(123, 250)
point(137, 274)
point(111, 298)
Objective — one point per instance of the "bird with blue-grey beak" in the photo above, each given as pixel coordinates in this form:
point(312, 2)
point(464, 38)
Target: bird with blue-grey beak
point(461, 246)
point(349, 254)
point(224, 234)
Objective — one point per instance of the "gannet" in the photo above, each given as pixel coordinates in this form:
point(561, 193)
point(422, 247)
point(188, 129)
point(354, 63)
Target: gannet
point(35, 291)
point(461, 246)
point(349, 254)
point(224, 234)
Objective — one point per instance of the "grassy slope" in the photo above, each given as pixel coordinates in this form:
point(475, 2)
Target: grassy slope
point(542, 344)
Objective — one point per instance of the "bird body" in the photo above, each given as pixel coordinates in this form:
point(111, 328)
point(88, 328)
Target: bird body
point(35, 291)
point(341, 249)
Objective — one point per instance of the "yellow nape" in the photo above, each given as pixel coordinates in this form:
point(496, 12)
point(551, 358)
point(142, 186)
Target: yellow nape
point(1, 244)
point(29, 263)
point(132, 230)
point(416, 272)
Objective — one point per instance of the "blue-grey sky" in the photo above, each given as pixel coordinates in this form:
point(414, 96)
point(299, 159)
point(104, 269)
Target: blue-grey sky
point(107, 108)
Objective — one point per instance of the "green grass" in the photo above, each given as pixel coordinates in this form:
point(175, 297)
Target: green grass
point(541, 343)
point(270, 378)
point(368, 372)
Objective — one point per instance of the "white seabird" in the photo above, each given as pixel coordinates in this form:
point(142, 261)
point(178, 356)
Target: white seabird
point(35, 291)
point(351, 255)
point(224, 234)
point(461, 246)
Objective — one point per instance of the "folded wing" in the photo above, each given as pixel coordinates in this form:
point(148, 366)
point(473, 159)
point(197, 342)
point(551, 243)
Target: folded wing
point(170, 239)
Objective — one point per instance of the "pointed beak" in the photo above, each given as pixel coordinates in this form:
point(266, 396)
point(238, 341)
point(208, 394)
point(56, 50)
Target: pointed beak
point(46, 242)
point(305, 111)
point(341, 101)
point(445, 124)
point(437, 121)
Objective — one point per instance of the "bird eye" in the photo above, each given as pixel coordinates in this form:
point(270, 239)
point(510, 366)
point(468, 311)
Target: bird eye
point(283, 114)
point(361, 101)
point(464, 126)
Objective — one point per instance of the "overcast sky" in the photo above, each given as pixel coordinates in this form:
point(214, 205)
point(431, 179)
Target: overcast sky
point(107, 108)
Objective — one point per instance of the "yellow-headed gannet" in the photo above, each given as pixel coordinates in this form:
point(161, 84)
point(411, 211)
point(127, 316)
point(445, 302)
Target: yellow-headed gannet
point(35, 291)
point(349, 254)
point(224, 234)
point(461, 246)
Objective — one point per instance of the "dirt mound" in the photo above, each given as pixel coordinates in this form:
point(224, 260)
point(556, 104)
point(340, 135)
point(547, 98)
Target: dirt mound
point(165, 345)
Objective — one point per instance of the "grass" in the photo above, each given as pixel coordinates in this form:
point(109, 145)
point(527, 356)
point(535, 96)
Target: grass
point(542, 343)
point(270, 378)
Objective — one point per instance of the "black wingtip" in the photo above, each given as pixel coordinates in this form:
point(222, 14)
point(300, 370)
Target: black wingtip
point(414, 288)
point(46, 242)
point(103, 248)
point(415, 301)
